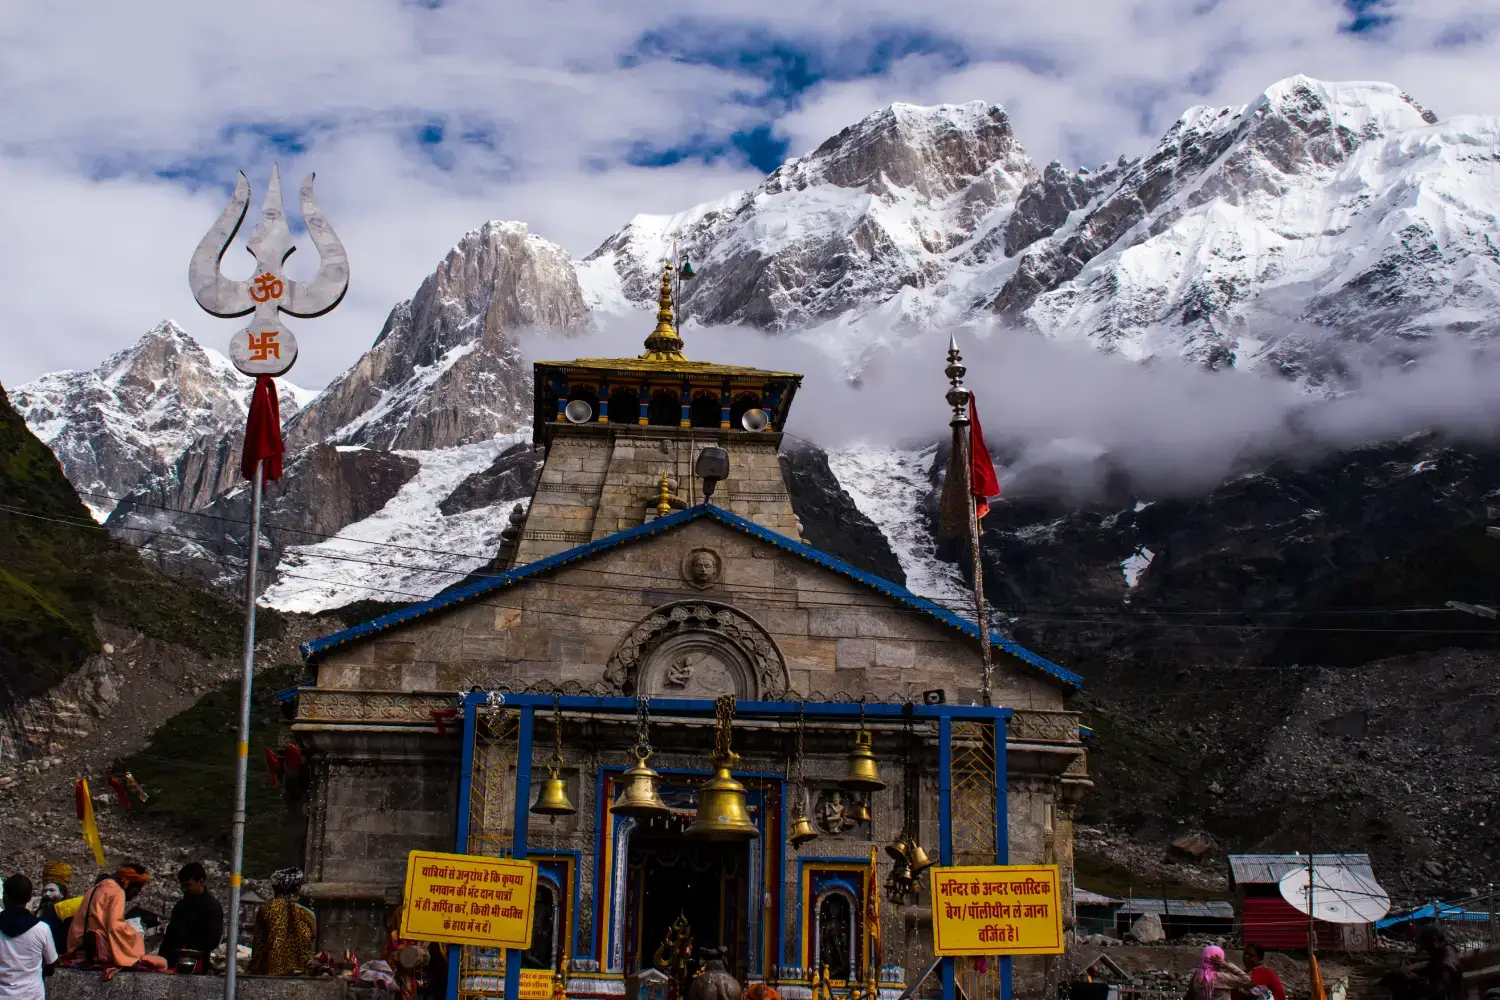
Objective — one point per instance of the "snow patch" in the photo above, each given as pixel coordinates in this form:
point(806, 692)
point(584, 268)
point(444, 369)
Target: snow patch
point(336, 572)
point(1133, 565)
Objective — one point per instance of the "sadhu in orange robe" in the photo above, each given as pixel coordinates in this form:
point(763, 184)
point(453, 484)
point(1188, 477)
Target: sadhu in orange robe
point(103, 909)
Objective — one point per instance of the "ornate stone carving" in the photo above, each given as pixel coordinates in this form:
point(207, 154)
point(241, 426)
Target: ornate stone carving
point(364, 706)
point(1042, 727)
point(702, 568)
point(698, 649)
point(834, 812)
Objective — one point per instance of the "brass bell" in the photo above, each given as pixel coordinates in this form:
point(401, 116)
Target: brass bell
point(901, 875)
point(897, 851)
point(802, 831)
point(918, 858)
point(862, 775)
point(860, 812)
point(552, 799)
point(722, 813)
point(639, 796)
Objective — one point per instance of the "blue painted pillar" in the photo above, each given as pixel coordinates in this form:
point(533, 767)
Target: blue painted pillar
point(1002, 830)
point(461, 838)
point(518, 848)
point(945, 821)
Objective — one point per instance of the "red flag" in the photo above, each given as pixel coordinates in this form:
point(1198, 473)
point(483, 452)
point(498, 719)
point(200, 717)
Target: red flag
point(981, 467)
point(263, 431)
point(274, 767)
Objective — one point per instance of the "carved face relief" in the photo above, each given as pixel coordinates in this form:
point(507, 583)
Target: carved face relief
point(702, 568)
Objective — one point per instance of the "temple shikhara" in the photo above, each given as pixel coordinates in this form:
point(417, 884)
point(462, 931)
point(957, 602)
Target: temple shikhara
point(706, 733)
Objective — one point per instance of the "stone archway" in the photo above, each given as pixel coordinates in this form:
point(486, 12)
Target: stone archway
point(698, 649)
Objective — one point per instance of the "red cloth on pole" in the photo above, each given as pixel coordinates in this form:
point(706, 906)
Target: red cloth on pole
point(263, 431)
point(984, 482)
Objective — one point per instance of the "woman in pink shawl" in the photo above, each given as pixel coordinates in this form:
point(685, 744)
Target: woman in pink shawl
point(1216, 978)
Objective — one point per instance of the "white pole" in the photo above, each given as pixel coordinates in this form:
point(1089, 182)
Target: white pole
point(242, 748)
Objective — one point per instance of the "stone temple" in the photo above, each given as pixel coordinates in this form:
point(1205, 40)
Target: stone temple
point(625, 597)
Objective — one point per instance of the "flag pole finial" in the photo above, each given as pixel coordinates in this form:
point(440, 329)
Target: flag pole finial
point(958, 396)
point(664, 343)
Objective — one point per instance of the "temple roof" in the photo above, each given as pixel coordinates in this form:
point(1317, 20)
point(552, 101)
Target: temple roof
point(315, 648)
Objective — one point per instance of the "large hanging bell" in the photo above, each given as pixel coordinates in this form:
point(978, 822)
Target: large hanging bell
point(917, 858)
point(722, 813)
point(552, 799)
point(897, 850)
point(862, 775)
point(639, 796)
point(802, 831)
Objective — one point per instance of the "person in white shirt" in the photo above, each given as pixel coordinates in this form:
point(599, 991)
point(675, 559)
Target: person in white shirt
point(26, 945)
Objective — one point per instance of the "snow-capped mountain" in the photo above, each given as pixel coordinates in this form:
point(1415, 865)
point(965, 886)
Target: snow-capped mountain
point(1317, 218)
point(141, 411)
point(1320, 215)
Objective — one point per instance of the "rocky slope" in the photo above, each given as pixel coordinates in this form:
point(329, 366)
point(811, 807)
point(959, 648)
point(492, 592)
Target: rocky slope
point(163, 407)
point(444, 370)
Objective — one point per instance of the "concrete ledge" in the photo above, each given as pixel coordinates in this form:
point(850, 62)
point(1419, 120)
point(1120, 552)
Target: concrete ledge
point(74, 984)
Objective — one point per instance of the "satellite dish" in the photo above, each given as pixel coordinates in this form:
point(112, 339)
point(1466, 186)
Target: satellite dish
point(755, 420)
point(1339, 896)
point(579, 411)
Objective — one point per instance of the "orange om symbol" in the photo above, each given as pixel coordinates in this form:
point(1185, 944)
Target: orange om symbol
point(263, 347)
point(267, 287)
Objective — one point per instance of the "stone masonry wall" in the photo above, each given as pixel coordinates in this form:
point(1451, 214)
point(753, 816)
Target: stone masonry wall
point(837, 636)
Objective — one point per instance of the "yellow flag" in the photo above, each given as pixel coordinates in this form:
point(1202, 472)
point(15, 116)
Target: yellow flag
point(86, 820)
point(1318, 992)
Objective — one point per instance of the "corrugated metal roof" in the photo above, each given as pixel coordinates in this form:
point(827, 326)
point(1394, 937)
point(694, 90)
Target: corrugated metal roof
point(1082, 897)
point(1263, 869)
point(315, 648)
point(1215, 909)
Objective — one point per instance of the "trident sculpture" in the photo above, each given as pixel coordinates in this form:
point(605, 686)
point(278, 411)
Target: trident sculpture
point(263, 350)
point(266, 346)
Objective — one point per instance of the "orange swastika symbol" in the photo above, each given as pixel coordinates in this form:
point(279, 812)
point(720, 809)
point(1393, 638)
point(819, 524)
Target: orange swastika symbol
point(267, 287)
point(262, 348)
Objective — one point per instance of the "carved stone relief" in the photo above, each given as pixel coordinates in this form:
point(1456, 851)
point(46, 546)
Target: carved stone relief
point(702, 568)
point(698, 649)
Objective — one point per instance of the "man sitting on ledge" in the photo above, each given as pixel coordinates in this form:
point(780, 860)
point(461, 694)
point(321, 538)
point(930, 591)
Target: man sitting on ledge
point(99, 931)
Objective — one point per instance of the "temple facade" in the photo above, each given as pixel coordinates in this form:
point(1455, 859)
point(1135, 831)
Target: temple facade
point(631, 605)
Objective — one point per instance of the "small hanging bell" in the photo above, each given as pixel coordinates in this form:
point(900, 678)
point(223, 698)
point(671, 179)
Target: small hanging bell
point(862, 775)
point(722, 812)
point(859, 812)
point(802, 831)
point(918, 858)
point(639, 797)
point(552, 799)
point(901, 875)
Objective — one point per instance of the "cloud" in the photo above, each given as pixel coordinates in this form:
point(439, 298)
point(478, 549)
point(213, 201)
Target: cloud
point(121, 125)
point(1068, 419)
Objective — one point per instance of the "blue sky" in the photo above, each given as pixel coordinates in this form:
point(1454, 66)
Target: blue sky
point(121, 126)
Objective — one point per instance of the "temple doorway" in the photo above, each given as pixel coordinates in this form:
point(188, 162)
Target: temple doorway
point(679, 887)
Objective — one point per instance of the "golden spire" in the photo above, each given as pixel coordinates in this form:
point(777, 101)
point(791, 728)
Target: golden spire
point(664, 344)
point(664, 503)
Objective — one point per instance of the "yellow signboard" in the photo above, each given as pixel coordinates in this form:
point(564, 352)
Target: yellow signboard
point(536, 984)
point(468, 899)
point(997, 910)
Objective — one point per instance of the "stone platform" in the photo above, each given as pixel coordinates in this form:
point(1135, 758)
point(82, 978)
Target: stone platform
point(75, 984)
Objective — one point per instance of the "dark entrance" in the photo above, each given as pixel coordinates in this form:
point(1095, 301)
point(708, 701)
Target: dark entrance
point(672, 876)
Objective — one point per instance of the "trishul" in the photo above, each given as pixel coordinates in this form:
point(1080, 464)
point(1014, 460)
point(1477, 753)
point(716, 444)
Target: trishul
point(266, 346)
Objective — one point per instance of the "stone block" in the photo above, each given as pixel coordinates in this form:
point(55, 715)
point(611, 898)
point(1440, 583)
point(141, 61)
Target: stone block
point(338, 675)
point(855, 654)
point(819, 653)
point(507, 618)
point(392, 650)
point(380, 678)
point(833, 622)
point(895, 654)
point(419, 677)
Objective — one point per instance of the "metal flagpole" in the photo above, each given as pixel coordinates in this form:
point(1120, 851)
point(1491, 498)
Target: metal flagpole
point(242, 748)
point(958, 398)
point(265, 349)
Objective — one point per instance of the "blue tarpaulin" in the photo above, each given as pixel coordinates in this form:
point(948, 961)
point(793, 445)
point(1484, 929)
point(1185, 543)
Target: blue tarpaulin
point(1445, 911)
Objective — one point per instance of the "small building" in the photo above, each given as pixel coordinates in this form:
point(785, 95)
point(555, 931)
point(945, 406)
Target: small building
point(1093, 913)
point(1270, 921)
point(1178, 916)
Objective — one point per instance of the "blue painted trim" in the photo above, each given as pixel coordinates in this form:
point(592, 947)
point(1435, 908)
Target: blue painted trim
point(802, 866)
point(778, 919)
point(286, 695)
point(750, 709)
point(577, 857)
point(1002, 831)
point(461, 836)
point(311, 650)
point(945, 822)
point(522, 818)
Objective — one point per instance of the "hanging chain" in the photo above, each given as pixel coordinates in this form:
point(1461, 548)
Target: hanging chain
point(724, 709)
point(908, 798)
point(861, 713)
point(556, 732)
point(797, 768)
point(642, 748)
